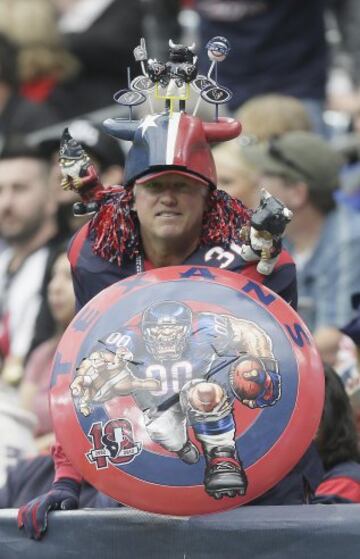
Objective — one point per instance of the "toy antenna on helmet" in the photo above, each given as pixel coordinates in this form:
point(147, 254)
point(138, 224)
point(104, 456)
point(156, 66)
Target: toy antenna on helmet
point(171, 81)
point(172, 139)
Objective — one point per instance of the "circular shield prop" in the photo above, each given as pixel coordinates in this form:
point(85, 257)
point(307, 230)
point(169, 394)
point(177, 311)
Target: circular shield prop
point(165, 376)
point(129, 98)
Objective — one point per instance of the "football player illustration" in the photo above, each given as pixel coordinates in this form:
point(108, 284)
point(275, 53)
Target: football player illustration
point(186, 368)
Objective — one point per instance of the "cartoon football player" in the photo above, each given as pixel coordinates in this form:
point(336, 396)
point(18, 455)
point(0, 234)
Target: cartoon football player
point(188, 370)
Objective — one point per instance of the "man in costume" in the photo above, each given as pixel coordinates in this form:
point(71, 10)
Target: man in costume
point(169, 212)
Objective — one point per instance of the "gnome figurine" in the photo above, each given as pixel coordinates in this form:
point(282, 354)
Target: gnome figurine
point(79, 174)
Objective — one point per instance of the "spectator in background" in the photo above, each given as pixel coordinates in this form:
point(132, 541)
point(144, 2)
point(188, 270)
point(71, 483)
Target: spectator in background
point(235, 175)
point(277, 47)
point(107, 156)
point(302, 170)
point(337, 443)
point(270, 115)
point(343, 88)
point(106, 153)
point(101, 35)
point(17, 114)
point(352, 379)
point(348, 144)
point(43, 62)
point(28, 225)
point(16, 436)
point(261, 118)
point(34, 389)
point(338, 348)
point(23, 472)
point(161, 22)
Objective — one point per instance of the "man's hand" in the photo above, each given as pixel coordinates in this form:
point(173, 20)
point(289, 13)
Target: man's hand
point(33, 517)
point(71, 183)
point(261, 241)
point(81, 179)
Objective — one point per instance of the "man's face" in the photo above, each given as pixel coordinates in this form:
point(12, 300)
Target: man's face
point(25, 201)
point(171, 208)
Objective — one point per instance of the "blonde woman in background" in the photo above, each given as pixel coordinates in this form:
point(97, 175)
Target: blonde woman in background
point(33, 27)
point(270, 115)
point(235, 175)
point(44, 64)
point(261, 117)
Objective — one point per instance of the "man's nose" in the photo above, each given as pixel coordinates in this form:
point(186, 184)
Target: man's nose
point(168, 197)
point(6, 198)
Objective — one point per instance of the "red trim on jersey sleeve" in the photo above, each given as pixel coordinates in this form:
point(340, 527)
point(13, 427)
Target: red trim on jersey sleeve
point(251, 272)
point(63, 466)
point(341, 486)
point(77, 244)
point(284, 258)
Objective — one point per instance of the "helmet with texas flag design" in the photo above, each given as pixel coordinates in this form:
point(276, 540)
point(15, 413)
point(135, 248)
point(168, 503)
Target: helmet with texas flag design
point(176, 142)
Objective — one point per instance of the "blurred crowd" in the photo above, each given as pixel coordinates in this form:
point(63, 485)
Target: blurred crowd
point(294, 71)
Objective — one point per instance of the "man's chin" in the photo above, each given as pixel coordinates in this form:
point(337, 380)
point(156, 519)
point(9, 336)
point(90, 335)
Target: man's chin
point(170, 232)
point(11, 236)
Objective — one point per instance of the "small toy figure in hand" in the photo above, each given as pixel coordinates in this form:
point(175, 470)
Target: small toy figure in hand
point(262, 236)
point(79, 174)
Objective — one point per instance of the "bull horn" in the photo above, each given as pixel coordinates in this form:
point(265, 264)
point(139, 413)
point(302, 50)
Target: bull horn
point(192, 46)
point(222, 130)
point(171, 44)
point(265, 194)
point(287, 213)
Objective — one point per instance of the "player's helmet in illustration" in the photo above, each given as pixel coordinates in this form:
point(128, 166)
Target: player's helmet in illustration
point(166, 328)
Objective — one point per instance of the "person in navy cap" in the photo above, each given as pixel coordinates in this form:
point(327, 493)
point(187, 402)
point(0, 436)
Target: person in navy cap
point(167, 212)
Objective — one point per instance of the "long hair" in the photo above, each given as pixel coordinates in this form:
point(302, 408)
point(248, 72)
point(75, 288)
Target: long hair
point(337, 439)
point(114, 230)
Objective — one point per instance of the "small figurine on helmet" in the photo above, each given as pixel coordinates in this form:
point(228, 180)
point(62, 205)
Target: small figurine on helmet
point(176, 74)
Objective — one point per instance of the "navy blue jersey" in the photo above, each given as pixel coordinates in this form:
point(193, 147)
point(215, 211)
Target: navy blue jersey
point(92, 274)
point(267, 34)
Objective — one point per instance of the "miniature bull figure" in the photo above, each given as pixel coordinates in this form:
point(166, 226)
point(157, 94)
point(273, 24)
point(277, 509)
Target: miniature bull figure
point(262, 236)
